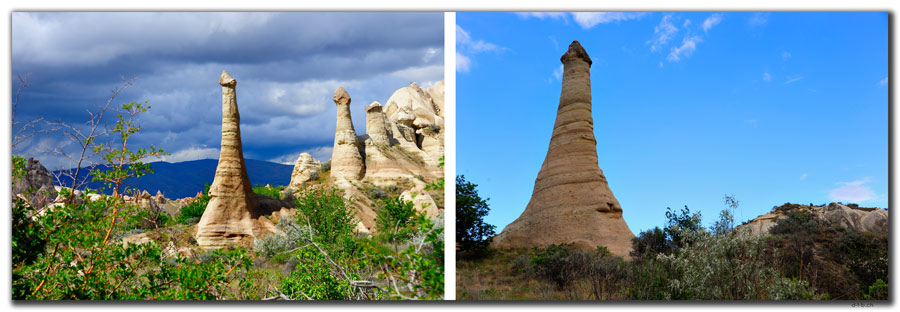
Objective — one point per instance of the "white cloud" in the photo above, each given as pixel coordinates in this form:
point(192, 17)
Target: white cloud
point(662, 33)
point(767, 76)
point(542, 15)
point(192, 153)
point(883, 82)
point(558, 72)
point(803, 176)
point(321, 153)
point(759, 19)
point(465, 44)
point(711, 21)
point(793, 80)
point(852, 192)
point(588, 20)
point(660, 64)
point(463, 63)
point(785, 55)
point(688, 46)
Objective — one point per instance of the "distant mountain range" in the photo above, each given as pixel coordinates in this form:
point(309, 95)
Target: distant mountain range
point(184, 179)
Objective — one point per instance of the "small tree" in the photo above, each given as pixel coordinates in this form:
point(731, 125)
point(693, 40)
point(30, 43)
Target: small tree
point(726, 218)
point(124, 163)
point(473, 235)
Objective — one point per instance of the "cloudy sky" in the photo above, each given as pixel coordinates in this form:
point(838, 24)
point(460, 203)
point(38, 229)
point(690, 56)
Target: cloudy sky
point(287, 65)
point(687, 107)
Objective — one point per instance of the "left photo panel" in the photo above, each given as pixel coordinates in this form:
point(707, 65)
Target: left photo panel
point(227, 156)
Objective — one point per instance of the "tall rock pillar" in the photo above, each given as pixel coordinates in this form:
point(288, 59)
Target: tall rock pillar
point(228, 216)
point(375, 124)
point(346, 161)
point(571, 201)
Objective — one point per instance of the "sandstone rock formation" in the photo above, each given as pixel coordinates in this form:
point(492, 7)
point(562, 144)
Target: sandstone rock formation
point(228, 216)
point(847, 216)
point(306, 169)
point(375, 124)
point(571, 201)
point(346, 160)
point(36, 185)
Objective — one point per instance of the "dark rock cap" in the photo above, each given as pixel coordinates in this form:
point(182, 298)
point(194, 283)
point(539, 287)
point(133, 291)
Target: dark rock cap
point(576, 51)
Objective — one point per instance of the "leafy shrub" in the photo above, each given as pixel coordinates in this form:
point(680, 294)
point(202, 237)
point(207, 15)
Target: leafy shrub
point(394, 216)
point(325, 211)
point(878, 291)
point(801, 223)
point(314, 279)
point(326, 166)
point(728, 267)
point(191, 213)
point(682, 229)
point(81, 262)
point(293, 235)
point(649, 243)
point(273, 191)
point(473, 235)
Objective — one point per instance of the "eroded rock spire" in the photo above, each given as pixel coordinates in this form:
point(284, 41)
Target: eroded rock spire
point(346, 160)
point(571, 201)
point(228, 216)
point(375, 124)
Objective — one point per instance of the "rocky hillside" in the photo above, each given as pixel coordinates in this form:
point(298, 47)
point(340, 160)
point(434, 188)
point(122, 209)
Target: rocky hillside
point(849, 216)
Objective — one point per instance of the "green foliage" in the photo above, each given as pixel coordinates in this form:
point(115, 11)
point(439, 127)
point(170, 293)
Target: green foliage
point(273, 191)
point(865, 255)
point(726, 218)
point(325, 211)
point(82, 262)
point(123, 162)
point(136, 217)
point(27, 241)
point(394, 218)
point(473, 235)
point(802, 223)
point(314, 279)
point(684, 228)
point(18, 166)
point(728, 267)
point(191, 213)
point(326, 166)
point(878, 291)
point(649, 243)
point(292, 234)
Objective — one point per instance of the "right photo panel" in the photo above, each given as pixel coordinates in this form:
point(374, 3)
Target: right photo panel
point(672, 156)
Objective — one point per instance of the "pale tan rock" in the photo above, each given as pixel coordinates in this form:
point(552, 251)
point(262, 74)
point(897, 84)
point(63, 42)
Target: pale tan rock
point(306, 169)
point(854, 218)
point(375, 124)
point(346, 160)
point(421, 201)
point(571, 201)
point(437, 96)
point(229, 215)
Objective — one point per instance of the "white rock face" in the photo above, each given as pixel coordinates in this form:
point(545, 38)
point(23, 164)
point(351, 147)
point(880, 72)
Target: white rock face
point(861, 219)
point(346, 160)
point(306, 169)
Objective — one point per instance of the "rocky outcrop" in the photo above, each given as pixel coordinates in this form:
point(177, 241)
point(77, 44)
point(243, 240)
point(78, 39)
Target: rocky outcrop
point(346, 160)
point(306, 169)
point(229, 215)
point(375, 125)
point(36, 185)
point(571, 201)
point(847, 216)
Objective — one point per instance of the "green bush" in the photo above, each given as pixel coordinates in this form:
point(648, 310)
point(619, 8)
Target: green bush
point(473, 235)
point(394, 218)
point(325, 211)
point(314, 278)
point(878, 291)
point(191, 213)
point(273, 191)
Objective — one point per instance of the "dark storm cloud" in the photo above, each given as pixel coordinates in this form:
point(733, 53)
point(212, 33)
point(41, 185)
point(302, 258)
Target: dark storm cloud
point(287, 65)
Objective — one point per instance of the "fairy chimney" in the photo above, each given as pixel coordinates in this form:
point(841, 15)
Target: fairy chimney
point(571, 201)
point(228, 216)
point(346, 160)
point(375, 125)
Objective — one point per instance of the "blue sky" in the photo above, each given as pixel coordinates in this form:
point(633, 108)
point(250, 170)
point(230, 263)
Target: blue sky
point(688, 107)
point(287, 65)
